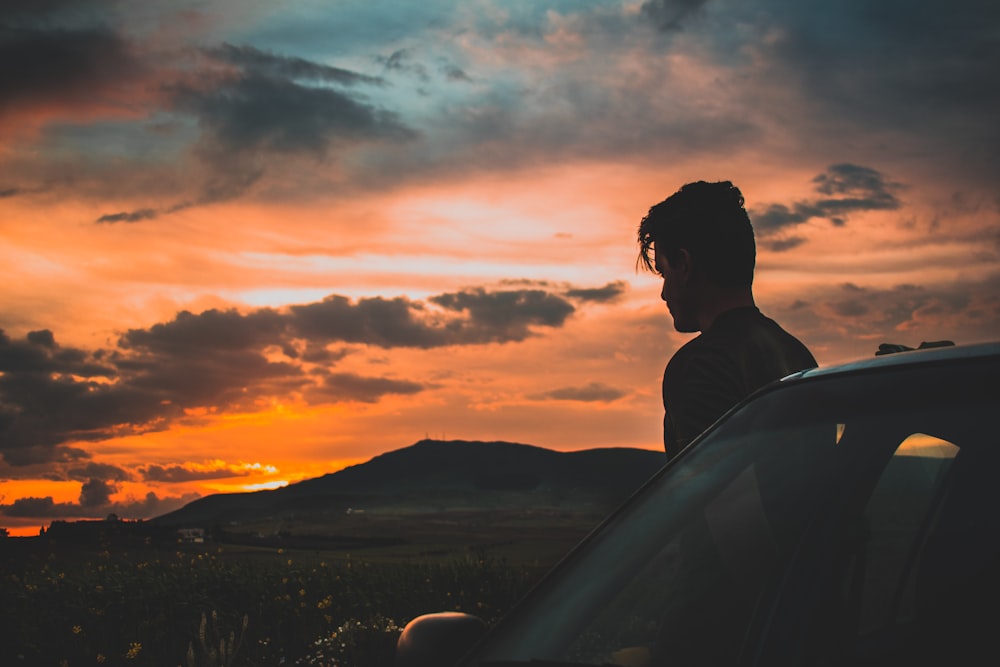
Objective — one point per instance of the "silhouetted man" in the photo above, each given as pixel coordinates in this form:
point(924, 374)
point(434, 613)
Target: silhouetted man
point(701, 242)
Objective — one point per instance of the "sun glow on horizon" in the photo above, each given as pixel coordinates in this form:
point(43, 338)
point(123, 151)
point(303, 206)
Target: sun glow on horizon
point(265, 486)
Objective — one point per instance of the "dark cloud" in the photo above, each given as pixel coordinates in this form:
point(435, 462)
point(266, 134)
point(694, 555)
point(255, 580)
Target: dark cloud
point(212, 330)
point(376, 321)
point(505, 316)
point(264, 106)
point(285, 67)
point(50, 395)
point(669, 15)
point(486, 317)
point(846, 189)
point(783, 244)
point(222, 360)
point(98, 471)
point(35, 12)
point(10, 192)
point(965, 312)
point(351, 387)
point(61, 65)
point(925, 69)
point(129, 216)
point(43, 337)
point(152, 505)
point(318, 354)
point(455, 73)
point(608, 293)
point(96, 493)
point(254, 107)
point(42, 508)
point(402, 61)
point(39, 353)
point(595, 392)
point(16, 453)
point(176, 473)
point(46, 508)
point(259, 113)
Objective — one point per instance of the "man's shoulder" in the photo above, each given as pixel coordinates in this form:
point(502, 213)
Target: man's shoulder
point(746, 338)
point(698, 354)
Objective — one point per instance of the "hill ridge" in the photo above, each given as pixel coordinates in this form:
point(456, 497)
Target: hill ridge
point(473, 472)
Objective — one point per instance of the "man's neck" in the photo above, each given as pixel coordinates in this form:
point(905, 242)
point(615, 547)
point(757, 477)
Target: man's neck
point(718, 300)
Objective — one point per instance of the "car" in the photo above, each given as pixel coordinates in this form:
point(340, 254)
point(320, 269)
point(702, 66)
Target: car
point(845, 515)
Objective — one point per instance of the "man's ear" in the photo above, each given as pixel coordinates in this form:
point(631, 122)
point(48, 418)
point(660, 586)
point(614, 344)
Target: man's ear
point(684, 266)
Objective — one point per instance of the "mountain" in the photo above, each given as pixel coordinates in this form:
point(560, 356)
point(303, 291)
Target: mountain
point(445, 475)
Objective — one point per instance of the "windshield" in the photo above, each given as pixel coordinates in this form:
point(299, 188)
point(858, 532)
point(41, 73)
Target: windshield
point(685, 574)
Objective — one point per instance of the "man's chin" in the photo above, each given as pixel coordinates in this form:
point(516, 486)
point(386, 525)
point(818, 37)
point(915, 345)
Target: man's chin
point(685, 327)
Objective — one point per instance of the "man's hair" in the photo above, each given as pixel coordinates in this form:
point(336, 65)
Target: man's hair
point(709, 221)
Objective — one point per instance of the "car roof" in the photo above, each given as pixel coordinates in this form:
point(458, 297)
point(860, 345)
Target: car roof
point(907, 357)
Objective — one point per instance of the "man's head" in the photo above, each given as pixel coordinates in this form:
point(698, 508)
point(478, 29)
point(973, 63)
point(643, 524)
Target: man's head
point(701, 241)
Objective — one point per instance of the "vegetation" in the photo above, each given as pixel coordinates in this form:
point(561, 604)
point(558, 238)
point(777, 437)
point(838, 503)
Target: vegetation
point(210, 604)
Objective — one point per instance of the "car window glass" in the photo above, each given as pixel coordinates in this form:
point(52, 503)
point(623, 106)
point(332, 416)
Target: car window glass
point(690, 599)
point(900, 512)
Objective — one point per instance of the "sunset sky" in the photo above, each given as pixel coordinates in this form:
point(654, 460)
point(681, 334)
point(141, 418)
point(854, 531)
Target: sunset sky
point(246, 243)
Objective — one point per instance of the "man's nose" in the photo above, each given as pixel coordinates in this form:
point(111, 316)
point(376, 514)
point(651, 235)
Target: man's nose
point(663, 291)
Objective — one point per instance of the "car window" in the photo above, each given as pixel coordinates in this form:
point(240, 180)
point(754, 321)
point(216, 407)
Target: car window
point(901, 511)
point(679, 579)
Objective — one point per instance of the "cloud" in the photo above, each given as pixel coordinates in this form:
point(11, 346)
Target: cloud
point(267, 104)
point(351, 387)
point(16, 453)
point(96, 493)
point(129, 216)
point(255, 113)
point(99, 471)
point(41, 508)
point(227, 360)
point(470, 317)
point(192, 473)
point(387, 323)
point(401, 60)
point(608, 293)
point(62, 66)
point(257, 109)
point(922, 74)
point(46, 508)
point(505, 316)
point(669, 15)
point(595, 392)
point(285, 67)
point(962, 311)
point(846, 189)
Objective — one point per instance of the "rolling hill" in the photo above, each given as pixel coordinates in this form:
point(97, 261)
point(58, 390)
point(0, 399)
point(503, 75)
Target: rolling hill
point(439, 476)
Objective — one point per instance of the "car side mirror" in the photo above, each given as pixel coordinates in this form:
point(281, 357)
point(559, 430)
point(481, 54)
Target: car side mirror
point(437, 640)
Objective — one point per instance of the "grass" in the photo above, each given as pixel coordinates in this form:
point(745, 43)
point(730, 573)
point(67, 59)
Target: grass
point(220, 605)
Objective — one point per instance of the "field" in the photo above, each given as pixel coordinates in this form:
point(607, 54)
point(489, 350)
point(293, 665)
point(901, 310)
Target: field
point(311, 602)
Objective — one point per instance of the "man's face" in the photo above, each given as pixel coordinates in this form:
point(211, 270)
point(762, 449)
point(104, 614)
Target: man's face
point(676, 293)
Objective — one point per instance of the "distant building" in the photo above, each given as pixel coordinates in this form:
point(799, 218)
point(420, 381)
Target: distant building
point(191, 535)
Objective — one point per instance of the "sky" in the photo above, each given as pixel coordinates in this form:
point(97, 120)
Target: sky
point(246, 243)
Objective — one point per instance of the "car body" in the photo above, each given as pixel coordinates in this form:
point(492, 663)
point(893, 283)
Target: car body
point(845, 515)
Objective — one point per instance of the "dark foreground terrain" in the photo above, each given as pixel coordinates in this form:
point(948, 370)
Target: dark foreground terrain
point(231, 604)
point(324, 572)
